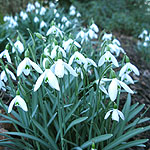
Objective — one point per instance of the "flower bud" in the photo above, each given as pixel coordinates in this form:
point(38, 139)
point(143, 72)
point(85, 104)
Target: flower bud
point(26, 54)
point(7, 46)
point(112, 74)
point(127, 59)
point(40, 36)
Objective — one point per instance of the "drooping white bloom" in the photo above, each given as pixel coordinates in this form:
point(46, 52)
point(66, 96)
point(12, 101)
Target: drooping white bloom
point(92, 34)
point(23, 15)
point(83, 35)
point(6, 55)
point(52, 5)
point(42, 11)
point(94, 27)
point(12, 23)
point(115, 114)
point(72, 10)
point(37, 4)
point(6, 18)
point(43, 24)
point(115, 41)
point(64, 19)
point(59, 49)
point(143, 34)
point(2, 85)
point(88, 63)
point(19, 46)
point(46, 50)
point(57, 15)
point(127, 68)
point(30, 7)
point(25, 67)
point(54, 30)
point(18, 101)
point(67, 44)
point(108, 57)
point(59, 68)
point(48, 77)
point(126, 78)
point(102, 85)
point(107, 37)
point(114, 86)
point(4, 77)
point(36, 19)
point(78, 58)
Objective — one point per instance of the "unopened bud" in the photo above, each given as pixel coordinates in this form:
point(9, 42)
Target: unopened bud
point(40, 36)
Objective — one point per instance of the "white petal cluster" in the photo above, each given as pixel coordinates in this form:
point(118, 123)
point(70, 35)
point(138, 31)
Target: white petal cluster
point(54, 30)
point(23, 15)
point(5, 54)
point(19, 46)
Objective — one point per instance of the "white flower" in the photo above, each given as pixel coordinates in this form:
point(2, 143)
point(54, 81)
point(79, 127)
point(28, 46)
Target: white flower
point(64, 19)
point(12, 23)
point(37, 4)
point(114, 86)
point(46, 50)
point(88, 63)
point(108, 57)
point(78, 14)
point(30, 7)
point(57, 15)
point(67, 44)
point(23, 15)
point(115, 114)
point(60, 67)
point(4, 77)
point(36, 19)
point(144, 33)
point(72, 10)
point(94, 27)
point(101, 85)
point(83, 35)
point(19, 46)
point(2, 85)
point(92, 34)
point(115, 41)
point(51, 5)
point(48, 77)
point(77, 57)
point(5, 54)
point(17, 101)
point(54, 30)
point(25, 67)
point(107, 37)
point(59, 49)
point(43, 24)
point(42, 11)
point(127, 68)
point(126, 78)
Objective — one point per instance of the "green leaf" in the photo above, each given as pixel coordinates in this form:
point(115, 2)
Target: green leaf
point(131, 144)
point(75, 122)
point(125, 137)
point(96, 140)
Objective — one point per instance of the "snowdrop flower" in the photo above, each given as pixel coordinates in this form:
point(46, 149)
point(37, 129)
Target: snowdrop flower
point(2, 85)
point(108, 57)
point(127, 68)
point(23, 15)
point(3, 75)
point(6, 18)
point(72, 10)
point(64, 19)
point(6, 55)
point(30, 7)
point(144, 33)
point(36, 19)
point(107, 37)
point(114, 86)
point(37, 4)
point(48, 77)
point(88, 63)
point(115, 41)
point(59, 49)
point(115, 114)
point(18, 101)
point(60, 67)
point(19, 46)
point(78, 58)
point(54, 30)
point(92, 34)
point(42, 11)
point(83, 35)
point(51, 5)
point(94, 27)
point(43, 24)
point(67, 44)
point(102, 85)
point(125, 77)
point(57, 15)
point(12, 23)
point(25, 67)
point(115, 48)
point(78, 14)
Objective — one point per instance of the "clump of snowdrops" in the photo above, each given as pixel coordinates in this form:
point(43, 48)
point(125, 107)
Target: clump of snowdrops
point(65, 89)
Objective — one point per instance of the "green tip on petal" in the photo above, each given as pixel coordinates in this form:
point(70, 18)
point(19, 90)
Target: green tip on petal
point(26, 53)
point(17, 92)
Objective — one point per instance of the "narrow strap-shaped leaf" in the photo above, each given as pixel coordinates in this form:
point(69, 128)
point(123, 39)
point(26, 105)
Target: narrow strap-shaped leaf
point(96, 140)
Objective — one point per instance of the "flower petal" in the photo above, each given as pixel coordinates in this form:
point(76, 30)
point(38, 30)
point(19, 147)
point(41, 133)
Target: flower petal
point(11, 105)
point(112, 90)
point(115, 115)
point(135, 69)
point(59, 69)
point(101, 61)
point(125, 87)
point(22, 103)
point(121, 114)
point(123, 70)
point(11, 74)
point(21, 67)
point(108, 114)
point(39, 81)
